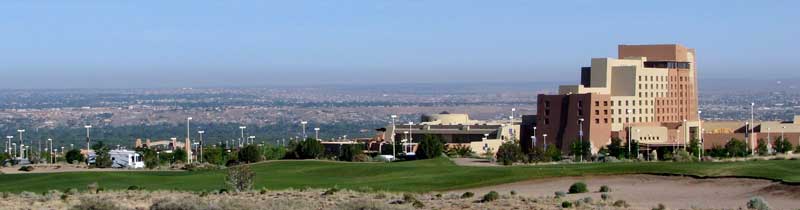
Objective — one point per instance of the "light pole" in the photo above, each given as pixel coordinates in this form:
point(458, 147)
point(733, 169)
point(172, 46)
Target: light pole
point(21, 141)
point(8, 144)
point(316, 134)
point(303, 123)
point(241, 138)
point(685, 134)
point(580, 133)
point(13, 149)
point(88, 140)
point(628, 111)
point(410, 133)
point(405, 134)
point(752, 124)
point(511, 123)
point(252, 139)
point(51, 148)
point(544, 139)
point(533, 138)
point(746, 135)
point(201, 132)
point(188, 140)
point(701, 147)
point(769, 143)
point(394, 144)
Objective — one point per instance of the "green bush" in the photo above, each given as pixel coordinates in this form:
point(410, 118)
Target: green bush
point(349, 152)
point(102, 158)
point(660, 206)
point(683, 156)
point(178, 156)
point(409, 198)
point(249, 154)
point(566, 204)
point(757, 203)
point(306, 149)
point(467, 195)
point(274, 152)
point(491, 196)
point(508, 153)
point(430, 147)
point(460, 151)
point(581, 149)
point(74, 156)
point(762, 149)
point(26, 168)
point(605, 188)
point(782, 145)
point(736, 148)
point(578, 187)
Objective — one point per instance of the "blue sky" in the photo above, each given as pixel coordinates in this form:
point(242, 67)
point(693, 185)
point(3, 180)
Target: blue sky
point(111, 44)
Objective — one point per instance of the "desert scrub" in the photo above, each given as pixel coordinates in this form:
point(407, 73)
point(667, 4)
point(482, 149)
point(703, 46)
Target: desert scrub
point(660, 206)
point(467, 195)
point(621, 204)
point(757, 203)
point(179, 203)
point(240, 178)
point(368, 205)
point(605, 188)
point(605, 196)
point(92, 188)
point(578, 187)
point(330, 191)
point(566, 204)
point(96, 203)
point(560, 194)
point(491, 196)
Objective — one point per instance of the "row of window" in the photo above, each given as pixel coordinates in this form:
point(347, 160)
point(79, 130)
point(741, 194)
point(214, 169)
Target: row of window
point(662, 78)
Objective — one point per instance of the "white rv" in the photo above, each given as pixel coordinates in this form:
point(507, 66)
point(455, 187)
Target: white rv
point(126, 159)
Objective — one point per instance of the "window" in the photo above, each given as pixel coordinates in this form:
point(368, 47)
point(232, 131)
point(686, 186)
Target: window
point(596, 112)
point(605, 120)
point(596, 121)
point(546, 121)
point(547, 104)
point(605, 103)
point(596, 103)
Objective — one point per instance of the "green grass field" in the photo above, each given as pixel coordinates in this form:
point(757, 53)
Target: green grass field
point(411, 176)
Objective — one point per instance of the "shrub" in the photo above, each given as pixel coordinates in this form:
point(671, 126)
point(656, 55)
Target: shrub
point(467, 195)
point(274, 152)
point(566, 204)
point(513, 192)
point(430, 147)
point(553, 153)
point(508, 153)
point(459, 151)
point(560, 194)
point(349, 152)
point(578, 187)
point(605, 188)
point(491, 196)
point(249, 154)
point(26, 168)
point(683, 156)
point(306, 149)
point(736, 148)
point(418, 204)
point(757, 203)
point(587, 200)
point(92, 188)
point(782, 145)
point(660, 206)
point(363, 204)
point(96, 203)
point(74, 156)
point(621, 204)
point(263, 191)
point(408, 198)
point(240, 178)
point(181, 203)
point(134, 187)
point(330, 191)
point(762, 149)
point(605, 196)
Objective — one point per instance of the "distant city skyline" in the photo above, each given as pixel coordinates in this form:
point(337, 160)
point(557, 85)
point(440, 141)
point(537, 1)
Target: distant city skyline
point(222, 44)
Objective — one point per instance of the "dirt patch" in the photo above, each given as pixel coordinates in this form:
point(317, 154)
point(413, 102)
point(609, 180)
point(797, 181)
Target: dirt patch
point(646, 191)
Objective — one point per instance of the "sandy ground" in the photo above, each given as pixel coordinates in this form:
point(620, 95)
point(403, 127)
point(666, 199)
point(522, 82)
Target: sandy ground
point(647, 191)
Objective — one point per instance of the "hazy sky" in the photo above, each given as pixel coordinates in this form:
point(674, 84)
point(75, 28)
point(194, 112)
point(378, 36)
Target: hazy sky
point(108, 44)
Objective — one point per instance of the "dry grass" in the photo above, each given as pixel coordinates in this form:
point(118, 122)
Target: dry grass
point(278, 200)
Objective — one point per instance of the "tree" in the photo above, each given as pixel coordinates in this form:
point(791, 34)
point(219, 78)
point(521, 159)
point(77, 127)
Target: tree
point(179, 155)
point(553, 153)
point(150, 157)
point(213, 155)
point(249, 154)
point(348, 152)
point(311, 149)
point(694, 146)
point(509, 152)
point(430, 147)
point(274, 152)
point(736, 148)
point(74, 156)
point(782, 145)
point(762, 147)
point(581, 148)
point(99, 145)
point(240, 178)
point(616, 148)
point(102, 158)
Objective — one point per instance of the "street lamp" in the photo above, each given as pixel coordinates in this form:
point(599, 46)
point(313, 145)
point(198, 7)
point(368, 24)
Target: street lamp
point(8, 144)
point(241, 138)
point(51, 147)
point(188, 140)
point(13, 149)
point(580, 133)
point(405, 134)
point(303, 123)
point(88, 140)
point(394, 130)
point(252, 139)
point(544, 139)
point(21, 142)
point(201, 132)
point(316, 134)
point(701, 147)
point(410, 134)
point(533, 138)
